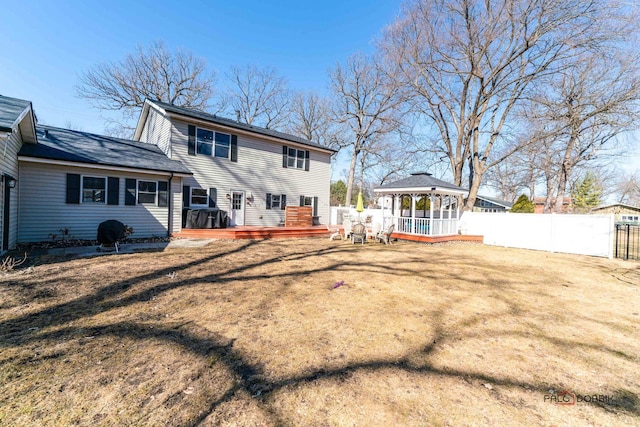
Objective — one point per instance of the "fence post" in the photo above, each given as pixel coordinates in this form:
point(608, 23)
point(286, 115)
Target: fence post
point(628, 241)
point(617, 228)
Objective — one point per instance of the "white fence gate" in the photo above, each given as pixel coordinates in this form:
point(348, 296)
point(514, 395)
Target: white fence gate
point(574, 234)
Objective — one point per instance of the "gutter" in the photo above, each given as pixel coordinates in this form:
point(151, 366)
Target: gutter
point(169, 205)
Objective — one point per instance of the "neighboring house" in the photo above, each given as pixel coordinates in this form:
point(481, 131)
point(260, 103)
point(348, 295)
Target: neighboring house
point(567, 205)
point(67, 182)
point(622, 213)
point(17, 128)
point(250, 172)
point(491, 204)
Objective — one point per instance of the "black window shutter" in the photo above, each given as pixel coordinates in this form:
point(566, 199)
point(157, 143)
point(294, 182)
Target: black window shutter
point(163, 193)
point(301, 200)
point(213, 197)
point(192, 140)
point(73, 188)
point(306, 160)
point(283, 201)
point(130, 192)
point(315, 206)
point(285, 150)
point(234, 148)
point(186, 195)
point(268, 200)
point(113, 184)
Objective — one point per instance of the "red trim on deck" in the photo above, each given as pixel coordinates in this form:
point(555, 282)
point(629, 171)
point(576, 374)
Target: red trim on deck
point(437, 239)
point(248, 232)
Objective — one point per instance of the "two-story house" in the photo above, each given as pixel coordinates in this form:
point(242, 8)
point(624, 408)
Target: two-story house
point(62, 182)
point(251, 172)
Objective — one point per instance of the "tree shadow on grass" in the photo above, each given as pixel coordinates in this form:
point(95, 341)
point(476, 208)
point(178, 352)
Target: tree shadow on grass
point(251, 377)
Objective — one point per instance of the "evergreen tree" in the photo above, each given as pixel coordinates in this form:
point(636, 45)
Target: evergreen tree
point(587, 193)
point(523, 205)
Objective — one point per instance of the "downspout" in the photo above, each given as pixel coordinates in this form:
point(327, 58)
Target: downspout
point(169, 206)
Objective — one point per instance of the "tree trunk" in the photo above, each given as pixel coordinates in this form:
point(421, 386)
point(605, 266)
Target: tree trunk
point(351, 178)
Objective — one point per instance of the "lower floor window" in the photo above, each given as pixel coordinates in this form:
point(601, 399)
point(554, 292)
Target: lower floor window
point(93, 189)
point(199, 197)
point(147, 191)
point(275, 201)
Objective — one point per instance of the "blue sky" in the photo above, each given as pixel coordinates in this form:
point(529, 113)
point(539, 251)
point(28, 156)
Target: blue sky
point(46, 45)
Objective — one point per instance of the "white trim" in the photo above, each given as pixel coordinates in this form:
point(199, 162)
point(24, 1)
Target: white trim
point(421, 190)
point(102, 167)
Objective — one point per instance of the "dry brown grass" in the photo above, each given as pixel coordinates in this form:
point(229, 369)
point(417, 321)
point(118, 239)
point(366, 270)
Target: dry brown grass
point(252, 333)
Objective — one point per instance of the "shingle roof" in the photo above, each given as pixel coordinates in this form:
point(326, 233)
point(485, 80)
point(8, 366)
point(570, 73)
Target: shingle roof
point(10, 110)
point(235, 124)
point(496, 201)
point(420, 180)
point(83, 147)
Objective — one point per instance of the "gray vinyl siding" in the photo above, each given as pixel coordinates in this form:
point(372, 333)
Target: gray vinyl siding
point(257, 172)
point(44, 211)
point(157, 131)
point(9, 165)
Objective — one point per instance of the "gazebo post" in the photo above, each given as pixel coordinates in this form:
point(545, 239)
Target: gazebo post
point(458, 202)
point(449, 215)
point(413, 213)
point(431, 202)
point(442, 214)
point(397, 209)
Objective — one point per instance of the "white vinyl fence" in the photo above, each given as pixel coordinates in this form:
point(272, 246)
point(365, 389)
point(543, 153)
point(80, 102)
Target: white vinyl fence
point(574, 234)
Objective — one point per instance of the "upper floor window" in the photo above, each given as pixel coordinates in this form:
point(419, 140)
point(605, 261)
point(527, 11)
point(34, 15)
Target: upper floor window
point(93, 189)
point(212, 143)
point(294, 158)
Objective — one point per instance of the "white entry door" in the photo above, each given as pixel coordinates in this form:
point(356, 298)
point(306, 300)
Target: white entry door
point(237, 207)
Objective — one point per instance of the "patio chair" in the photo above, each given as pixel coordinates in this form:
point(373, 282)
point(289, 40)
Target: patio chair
point(334, 230)
point(385, 235)
point(359, 233)
point(346, 225)
point(376, 228)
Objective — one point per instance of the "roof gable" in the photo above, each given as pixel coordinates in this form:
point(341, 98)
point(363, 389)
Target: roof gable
point(17, 114)
point(82, 147)
point(221, 121)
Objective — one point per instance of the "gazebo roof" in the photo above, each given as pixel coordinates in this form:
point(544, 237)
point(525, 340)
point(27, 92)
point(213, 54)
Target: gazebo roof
point(420, 182)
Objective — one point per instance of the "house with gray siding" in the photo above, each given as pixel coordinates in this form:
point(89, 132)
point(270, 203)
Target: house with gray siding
point(251, 172)
point(17, 128)
point(60, 181)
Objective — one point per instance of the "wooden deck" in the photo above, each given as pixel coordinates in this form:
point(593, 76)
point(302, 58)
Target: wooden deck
point(437, 239)
point(249, 232)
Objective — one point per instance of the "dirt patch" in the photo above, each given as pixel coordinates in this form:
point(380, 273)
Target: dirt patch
point(258, 333)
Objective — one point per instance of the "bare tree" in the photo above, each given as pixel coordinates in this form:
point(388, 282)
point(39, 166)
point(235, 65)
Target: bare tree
point(628, 189)
point(258, 96)
point(585, 107)
point(310, 118)
point(365, 105)
point(469, 63)
point(152, 72)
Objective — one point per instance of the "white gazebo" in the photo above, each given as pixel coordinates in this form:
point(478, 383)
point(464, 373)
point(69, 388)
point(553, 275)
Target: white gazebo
point(423, 205)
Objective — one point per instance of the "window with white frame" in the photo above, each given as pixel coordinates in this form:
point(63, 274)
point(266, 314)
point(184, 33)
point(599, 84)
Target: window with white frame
point(630, 218)
point(147, 192)
point(199, 197)
point(94, 189)
point(307, 201)
point(212, 143)
point(295, 158)
point(275, 201)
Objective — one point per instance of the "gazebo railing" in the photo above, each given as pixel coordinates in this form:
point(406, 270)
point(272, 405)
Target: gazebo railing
point(423, 226)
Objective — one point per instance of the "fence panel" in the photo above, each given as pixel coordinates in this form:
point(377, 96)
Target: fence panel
point(576, 234)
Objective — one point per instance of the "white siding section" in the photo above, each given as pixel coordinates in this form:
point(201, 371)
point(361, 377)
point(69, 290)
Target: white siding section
point(9, 165)
point(258, 171)
point(157, 131)
point(176, 204)
point(44, 211)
